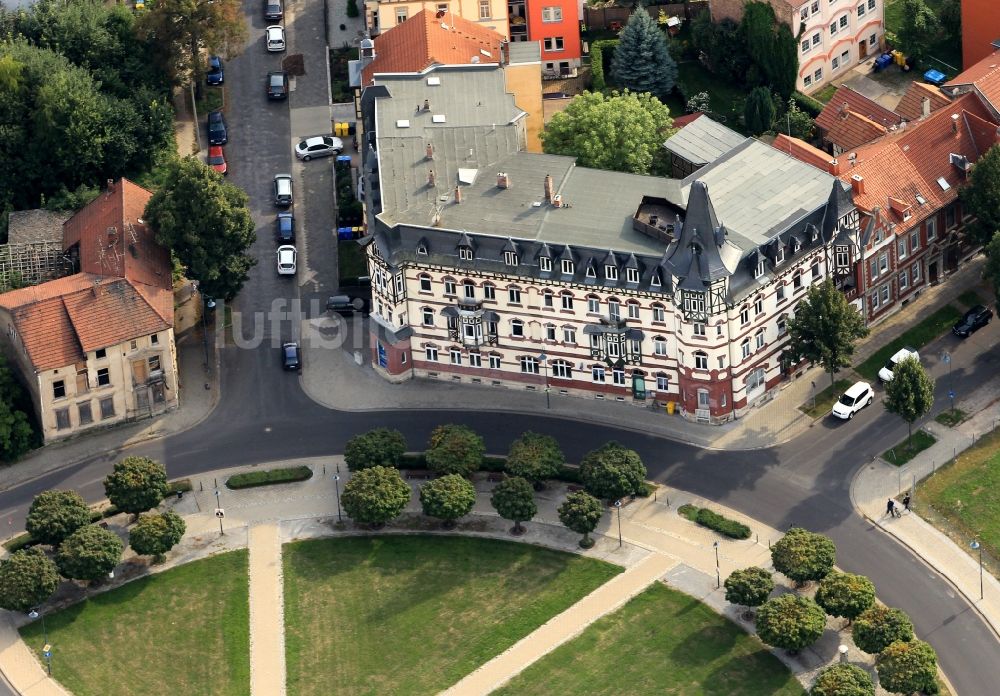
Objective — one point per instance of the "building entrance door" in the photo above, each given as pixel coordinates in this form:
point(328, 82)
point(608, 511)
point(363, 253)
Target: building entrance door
point(862, 50)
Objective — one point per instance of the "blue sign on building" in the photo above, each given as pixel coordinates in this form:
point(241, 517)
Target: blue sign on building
point(383, 359)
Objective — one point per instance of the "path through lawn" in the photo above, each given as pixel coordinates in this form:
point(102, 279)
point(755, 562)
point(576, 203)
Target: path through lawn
point(413, 614)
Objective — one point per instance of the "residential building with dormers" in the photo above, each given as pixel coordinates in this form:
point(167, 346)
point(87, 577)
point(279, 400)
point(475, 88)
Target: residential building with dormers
point(505, 268)
point(834, 35)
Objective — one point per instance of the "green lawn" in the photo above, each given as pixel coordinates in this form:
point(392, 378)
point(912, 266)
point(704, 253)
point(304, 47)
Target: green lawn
point(916, 337)
point(351, 260)
point(905, 451)
point(661, 642)
point(826, 94)
point(964, 496)
point(726, 99)
point(825, 399)
point(414, 614)
point(182, 631)
point(951, 417)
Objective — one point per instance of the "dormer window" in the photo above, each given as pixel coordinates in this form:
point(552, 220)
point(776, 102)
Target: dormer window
point(591, 273)
point(779, 256)
point(796, 245)
point(611, 273)
point(759, 271)
point(544, 264)
point(567, 267)
point(631, 275)
point(655, 280)
point(510, 258)
point(465, 253)
point(422, 249)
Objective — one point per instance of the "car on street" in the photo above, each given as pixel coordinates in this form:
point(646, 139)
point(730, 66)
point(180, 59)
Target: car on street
point(885, 374)
point(345, 304)
point(284, 228)
point(290, 358)
point(277, 85)
point(274, 37)
point(286, 259)
point(853, 400)
point(318, 146)
point(217, 159)
point(973, 320)
point(283, 190)
point(218, 134)
point(273, 9)
point(216, 75)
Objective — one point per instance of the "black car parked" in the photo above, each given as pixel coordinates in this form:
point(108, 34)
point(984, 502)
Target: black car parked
point(217, 132)
point(290, 359)
point(216, 73)
point(975, 319)
point(272, 9)
point(277, 85)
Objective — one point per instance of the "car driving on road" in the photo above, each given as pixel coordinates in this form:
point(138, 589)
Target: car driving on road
point(853, 400)
point(319, 146)
point(973, 320)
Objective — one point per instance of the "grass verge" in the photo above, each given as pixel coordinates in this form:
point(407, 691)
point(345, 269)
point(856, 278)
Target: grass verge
point(917, 337)
point(414, 614)
point(963, 498)
point(824, 95)
point(661, 642)
point(182, 631)
point(825, 399)
point(212, 98)
point(951, 417)
point(905, 451)
point(726, 99)
point(351, 260)
point(251, 479)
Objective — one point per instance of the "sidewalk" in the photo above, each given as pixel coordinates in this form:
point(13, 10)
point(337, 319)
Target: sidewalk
point(879, 481)
point(332, 378)
point(199, 394)
point(657, 544)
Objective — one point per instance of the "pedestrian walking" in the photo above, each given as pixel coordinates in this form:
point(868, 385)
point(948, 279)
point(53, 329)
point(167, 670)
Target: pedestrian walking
point(890, 507)
point(906, 502)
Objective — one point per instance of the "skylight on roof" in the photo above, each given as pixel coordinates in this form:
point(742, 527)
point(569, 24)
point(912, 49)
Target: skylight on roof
point(433, 81)
point(485, 53)
point(920, 199)
point(943, 184)
point(403, 123)
point(438, 118)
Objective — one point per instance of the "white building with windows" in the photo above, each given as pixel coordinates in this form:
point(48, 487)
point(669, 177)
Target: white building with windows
point(504, 268)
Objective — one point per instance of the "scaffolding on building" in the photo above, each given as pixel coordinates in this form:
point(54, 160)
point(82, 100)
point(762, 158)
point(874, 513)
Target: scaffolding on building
point(32, 263)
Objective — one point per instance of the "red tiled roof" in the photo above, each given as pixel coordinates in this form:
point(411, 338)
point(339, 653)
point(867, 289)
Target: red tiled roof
point(984, 76)
point(912, 160)
point(851, 119)
point(684, 120)
point(425, 39)
point(911, 106)
point(804, 152)
point(122, 292)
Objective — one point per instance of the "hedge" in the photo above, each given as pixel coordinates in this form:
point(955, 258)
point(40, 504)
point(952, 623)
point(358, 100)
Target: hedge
point(715, 521)
point(251, 479)
point(808, 104)
point(598, 83)
point(495, 465)
point(22, 541)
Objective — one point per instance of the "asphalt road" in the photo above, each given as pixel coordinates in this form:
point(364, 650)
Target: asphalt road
point(264, 415)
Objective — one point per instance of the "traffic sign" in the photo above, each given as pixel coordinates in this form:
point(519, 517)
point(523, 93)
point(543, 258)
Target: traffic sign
point(951, 393)
point(47, 650)
point(220, 513)
point(946, 358)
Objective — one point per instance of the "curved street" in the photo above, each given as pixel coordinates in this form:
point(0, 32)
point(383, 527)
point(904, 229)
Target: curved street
point(264, 415)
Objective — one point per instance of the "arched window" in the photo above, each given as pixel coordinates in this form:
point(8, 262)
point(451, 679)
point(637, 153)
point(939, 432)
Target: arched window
point(659, 313)
point(425, 282)
point(489, 291)
point(659, 346)
point(469, 289)
point(449, 285)
point(662, 382)
point(567, 299)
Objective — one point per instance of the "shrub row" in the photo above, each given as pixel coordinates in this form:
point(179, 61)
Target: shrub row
point(715, 521)
point(598, 83)
point(22, 541)
point(808, 104)
point(495, 465)
point(251, 479)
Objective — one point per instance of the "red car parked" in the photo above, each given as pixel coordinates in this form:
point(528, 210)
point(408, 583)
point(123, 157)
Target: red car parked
point(217, 159)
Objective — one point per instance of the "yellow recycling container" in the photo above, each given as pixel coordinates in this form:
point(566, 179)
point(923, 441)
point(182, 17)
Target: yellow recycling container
point(670, 407)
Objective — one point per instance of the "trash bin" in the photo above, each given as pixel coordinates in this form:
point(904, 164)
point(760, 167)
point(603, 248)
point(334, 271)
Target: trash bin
point(671, 405)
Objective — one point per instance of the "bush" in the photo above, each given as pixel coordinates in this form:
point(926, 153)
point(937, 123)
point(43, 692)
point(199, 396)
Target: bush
point(21, 541)
point(843, 680)
point(378, 447)
point(454, 449)
point(808, 104)
point(251, 479)
point(722, 525)
point(879, 627)
point(790, 622)
point(597, 49)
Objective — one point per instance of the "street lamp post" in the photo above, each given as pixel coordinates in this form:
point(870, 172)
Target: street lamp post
point(718, 576)
point(336, 483)
point(545, 363)
point(976, 546)
point(218, 511)
point(47, 648)
point(951, 391)
point(618, 505)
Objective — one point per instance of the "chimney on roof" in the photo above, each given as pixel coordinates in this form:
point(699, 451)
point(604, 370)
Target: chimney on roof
point(111, 188)
point(503, 180)
point(857, 184)
point(954, 123)
point(458, 194)
point(549, 188)
point(430, 178)
point(429, 153)
point(925, 106)
point(427, 105)
point(97, 284)
point(843, 109)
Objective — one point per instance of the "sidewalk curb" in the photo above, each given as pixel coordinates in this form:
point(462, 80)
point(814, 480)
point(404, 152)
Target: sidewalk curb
point(917, 554)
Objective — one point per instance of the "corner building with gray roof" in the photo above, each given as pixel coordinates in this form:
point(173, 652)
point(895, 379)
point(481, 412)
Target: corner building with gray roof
point(500, 267)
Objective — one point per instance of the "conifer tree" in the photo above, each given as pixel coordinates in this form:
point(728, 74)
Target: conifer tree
point(642, 62)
